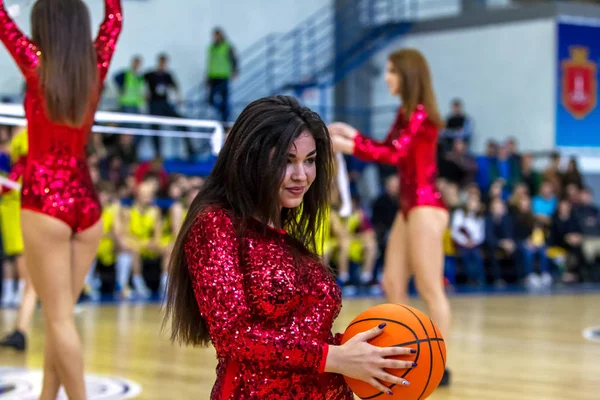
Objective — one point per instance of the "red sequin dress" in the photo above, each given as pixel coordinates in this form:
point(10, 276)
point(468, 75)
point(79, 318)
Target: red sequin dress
point(56, 180)
point(269, 318)
point(412, 147)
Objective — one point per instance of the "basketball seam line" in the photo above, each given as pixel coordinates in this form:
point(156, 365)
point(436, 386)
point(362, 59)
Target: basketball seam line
point(430, 350)
point(438, 342)
point(410, 330)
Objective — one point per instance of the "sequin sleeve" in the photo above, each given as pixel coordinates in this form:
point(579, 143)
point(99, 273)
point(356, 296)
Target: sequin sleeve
point(20, 47)
point(109, 32)
point(220, 290)
point(396, 146)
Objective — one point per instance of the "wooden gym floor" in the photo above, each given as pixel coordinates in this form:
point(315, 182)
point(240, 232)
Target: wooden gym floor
point(514, 347)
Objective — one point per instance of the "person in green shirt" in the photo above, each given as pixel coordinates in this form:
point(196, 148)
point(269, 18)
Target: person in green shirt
point(131, 86)
point(222, 67)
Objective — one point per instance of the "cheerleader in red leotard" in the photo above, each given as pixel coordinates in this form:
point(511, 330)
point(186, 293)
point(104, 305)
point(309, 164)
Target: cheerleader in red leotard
point(245, 274)
point(64, 70)
point(415, 241)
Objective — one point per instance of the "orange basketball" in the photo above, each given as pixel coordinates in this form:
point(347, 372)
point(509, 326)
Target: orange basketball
point(406, 327)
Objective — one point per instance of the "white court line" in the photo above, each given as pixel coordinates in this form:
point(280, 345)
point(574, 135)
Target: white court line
point(592, 334)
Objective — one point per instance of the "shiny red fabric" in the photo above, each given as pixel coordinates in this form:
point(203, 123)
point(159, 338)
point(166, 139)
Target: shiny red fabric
point(56, 180)
point(269, 316)
point(411, 145)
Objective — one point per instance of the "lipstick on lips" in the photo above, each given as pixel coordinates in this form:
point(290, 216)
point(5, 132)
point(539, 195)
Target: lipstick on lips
point(295, 190)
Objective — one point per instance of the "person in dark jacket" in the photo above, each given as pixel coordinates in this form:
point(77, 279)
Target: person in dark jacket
point(588, 215)
point(499, 238)
point(530, 241)
point(565, 232)
point(385, 209)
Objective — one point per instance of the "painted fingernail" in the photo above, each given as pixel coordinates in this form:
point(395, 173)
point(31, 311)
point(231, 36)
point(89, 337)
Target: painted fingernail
point(406, 383)
point(390, 393)
point(382, 325)
point(414, 364)
point(413, 351)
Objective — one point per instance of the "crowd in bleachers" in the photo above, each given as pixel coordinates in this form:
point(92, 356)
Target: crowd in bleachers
point(509, 222)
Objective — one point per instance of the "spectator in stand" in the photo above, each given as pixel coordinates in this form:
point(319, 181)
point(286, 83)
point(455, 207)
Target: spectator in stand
point(131, 86)
point(458, 166)
point(529, 176)
point(450, 195)
point(566, 233)
point(126, 150)
point(96, 146)
point(552, 173)
point(153, 167)
point(160, 82)
point(497, 191)
point(499, 238)
point(222, 67)
point(505, 167)
point(513, 153)
point(491, 149)
point(113, 170)
point(588, 215)
point(545, 203)
point(571, 193)
point(468, 232)
point(531, 244)
point(518, 193)
point(572, 175)
point(458, 126)
point(484, 163)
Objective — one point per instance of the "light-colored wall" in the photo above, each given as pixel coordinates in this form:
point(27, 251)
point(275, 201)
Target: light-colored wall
point(183, 28)
point(504, 73)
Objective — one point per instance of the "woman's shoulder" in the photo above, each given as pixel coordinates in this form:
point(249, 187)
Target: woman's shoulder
point(214, 217)
point(420, 118)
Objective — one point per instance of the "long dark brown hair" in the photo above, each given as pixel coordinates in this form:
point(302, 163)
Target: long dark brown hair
point(416, 84)
point(67, 70)
point(246, 180)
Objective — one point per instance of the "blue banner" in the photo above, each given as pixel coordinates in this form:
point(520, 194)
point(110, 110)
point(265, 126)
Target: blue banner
point(578, 112)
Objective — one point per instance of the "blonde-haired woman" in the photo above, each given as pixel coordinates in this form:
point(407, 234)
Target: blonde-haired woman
point(415, 242)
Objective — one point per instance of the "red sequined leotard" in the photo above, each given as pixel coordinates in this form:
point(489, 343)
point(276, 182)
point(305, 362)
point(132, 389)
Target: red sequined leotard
point(269, 318)
point(412, 147)
point(56, 181)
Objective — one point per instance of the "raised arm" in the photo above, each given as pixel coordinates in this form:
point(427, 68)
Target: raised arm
point(20, 47)
point(396, 146)
point(109, 32)
point(214, 266)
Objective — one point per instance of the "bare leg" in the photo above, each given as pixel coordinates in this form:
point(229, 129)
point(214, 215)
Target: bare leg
point(426, 227)
point(396, 271)
point(28, 301)
point(369, 242)
point(83, 252)
point(49, 261)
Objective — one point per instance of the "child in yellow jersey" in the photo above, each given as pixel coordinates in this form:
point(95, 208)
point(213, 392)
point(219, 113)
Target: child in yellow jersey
point(171, 226)
point(106, 253)
point(10, 205)
point(10, 223)
point(141, 235)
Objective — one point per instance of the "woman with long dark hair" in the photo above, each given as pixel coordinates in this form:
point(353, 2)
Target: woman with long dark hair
point(415, 244)
point(64, 70)
point(245, 275)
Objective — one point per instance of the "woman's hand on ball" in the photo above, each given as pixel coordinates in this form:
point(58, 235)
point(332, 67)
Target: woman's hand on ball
point(342, 137)
point(360, 360)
